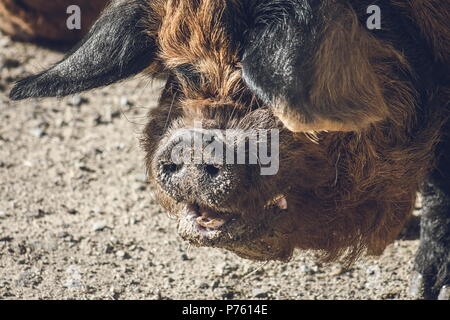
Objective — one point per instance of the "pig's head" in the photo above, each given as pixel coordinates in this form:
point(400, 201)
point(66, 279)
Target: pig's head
point(219, 199)
point(235, 71)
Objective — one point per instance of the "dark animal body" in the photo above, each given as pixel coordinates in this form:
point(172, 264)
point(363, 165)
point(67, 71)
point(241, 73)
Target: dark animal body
point(363, 119)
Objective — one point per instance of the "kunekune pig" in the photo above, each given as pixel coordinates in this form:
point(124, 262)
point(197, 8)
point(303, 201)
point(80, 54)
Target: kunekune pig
point(361, 115)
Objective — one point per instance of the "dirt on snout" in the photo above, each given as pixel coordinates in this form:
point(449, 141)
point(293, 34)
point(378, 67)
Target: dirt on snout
point(78, 221)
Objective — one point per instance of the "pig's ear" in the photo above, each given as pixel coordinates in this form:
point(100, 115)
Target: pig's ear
point(273, 53)
point(296, 59)
point(116, 48)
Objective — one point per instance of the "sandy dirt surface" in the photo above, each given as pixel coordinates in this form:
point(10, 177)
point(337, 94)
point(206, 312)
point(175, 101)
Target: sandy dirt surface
point(77, 220)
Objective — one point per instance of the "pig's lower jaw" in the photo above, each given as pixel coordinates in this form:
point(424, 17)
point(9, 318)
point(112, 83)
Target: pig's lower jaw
point(257, 240)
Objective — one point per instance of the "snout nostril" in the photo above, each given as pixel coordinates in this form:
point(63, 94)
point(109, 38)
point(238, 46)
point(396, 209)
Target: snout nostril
point(212, 170)
point(171, 168)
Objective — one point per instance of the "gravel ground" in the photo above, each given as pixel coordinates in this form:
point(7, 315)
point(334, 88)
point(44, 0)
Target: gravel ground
point(77, 220)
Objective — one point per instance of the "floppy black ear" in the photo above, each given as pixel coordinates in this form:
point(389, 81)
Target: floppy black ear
point(320, 68)
point(277, 48)
point(115, 48)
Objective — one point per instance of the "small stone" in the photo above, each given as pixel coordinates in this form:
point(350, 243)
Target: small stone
point(215, 284)
point(38, 213)
point(170, 280)
point(222, 269)
point(100, 120)
point(115, 114)
point(140, 177)
point(114, 240)
point(372, 270)
point(141, 188)
point(416, 286)
point(203, 285)
point(11, 63)
point(72, 211)
point(99, 226)
point(444, 294)
point(306, 269)
point(87, 169)
point(107, 116)
point(37, 132)
point(2, 214)
point(77, 101)
point(28, 164)
point(10, 79)
point(259, 293)
point(5, 41)
point(63, 234)
point(390, 295)
point(228, 295)
point(109, 248)
point(6, 239)
point(185, 257)
point(28, 279)
point(116, 291)
point(336, 270)
point(123, 255)
point(124, 102)
point(73, 282)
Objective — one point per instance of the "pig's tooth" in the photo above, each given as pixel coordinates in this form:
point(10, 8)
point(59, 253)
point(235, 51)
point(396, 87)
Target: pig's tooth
point(210, 223)
point(282, 203)
point(215, 223)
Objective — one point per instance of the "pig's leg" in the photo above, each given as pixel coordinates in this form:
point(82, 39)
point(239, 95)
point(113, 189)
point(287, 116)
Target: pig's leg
point(432, 265)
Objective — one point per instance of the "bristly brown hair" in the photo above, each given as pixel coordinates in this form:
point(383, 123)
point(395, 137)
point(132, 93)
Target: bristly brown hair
point(194, 43)
point(431, 17)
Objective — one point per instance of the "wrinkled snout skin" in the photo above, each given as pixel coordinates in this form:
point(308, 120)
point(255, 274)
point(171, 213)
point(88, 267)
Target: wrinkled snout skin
point(187, 172)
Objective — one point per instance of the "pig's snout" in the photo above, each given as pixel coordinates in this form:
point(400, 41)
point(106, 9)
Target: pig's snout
point(191, 167)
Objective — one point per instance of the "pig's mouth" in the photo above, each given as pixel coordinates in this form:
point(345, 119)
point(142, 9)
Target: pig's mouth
point(254, 238)
point(209, 219)
point(204, 226)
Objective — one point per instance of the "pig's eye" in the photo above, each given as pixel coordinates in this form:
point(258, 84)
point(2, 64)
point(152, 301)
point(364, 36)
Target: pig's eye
point(187, 72)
